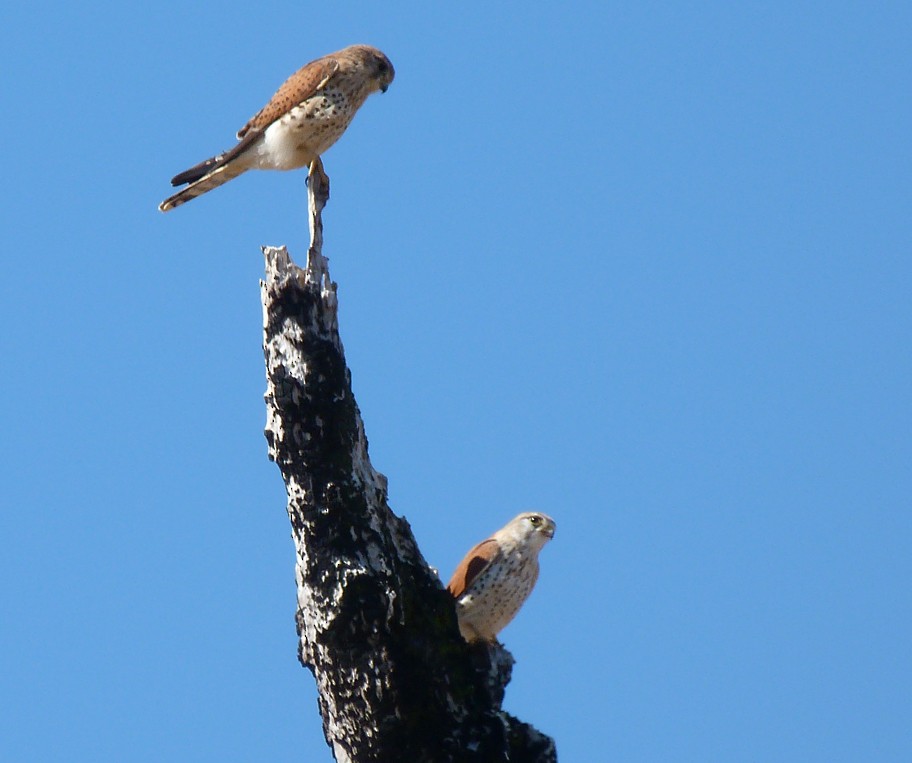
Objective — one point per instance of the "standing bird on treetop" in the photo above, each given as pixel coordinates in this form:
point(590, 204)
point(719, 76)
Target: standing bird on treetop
point(302, 120)
point(496, 577)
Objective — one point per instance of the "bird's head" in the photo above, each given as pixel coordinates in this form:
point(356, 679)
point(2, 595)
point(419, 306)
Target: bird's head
point(375, 62)
point(535, 527)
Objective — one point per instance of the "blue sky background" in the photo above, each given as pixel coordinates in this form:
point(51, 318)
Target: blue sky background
point(645, 267)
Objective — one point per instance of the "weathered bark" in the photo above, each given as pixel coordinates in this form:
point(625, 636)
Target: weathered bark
point(396, 681)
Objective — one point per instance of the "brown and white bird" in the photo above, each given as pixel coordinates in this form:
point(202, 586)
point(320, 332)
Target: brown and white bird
point(497, 576)
point(304, 118)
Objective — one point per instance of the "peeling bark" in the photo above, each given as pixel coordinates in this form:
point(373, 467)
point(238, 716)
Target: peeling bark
point(376, 628)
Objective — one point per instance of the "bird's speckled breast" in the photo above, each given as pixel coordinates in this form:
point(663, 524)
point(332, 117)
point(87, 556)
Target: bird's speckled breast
point(495, 597)
point(309, 129)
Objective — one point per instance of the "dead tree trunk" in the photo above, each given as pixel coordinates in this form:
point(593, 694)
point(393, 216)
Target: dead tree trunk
point(396, 681)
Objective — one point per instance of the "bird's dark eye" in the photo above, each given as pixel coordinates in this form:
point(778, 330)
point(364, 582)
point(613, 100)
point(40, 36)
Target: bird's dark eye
point(382, 67)
point(535, 521)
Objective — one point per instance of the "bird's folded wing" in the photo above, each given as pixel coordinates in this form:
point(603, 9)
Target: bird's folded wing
point(471, 567)
point(296, 89)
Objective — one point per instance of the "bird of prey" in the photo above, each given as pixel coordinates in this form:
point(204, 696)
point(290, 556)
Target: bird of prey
point(308, 113)
point(497, 576)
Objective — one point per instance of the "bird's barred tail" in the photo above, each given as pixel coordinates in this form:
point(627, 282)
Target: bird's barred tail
point(221, 174)
point(211, 173)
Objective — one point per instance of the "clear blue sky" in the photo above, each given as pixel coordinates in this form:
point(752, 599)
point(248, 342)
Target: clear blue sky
point(645, 267)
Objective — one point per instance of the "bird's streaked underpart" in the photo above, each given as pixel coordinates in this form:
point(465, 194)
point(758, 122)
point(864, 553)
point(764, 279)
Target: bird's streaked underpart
point(496, 577)
point(308, 113)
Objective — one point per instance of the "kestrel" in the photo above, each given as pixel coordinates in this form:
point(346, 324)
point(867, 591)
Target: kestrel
point(304, 118)
point(497, 576)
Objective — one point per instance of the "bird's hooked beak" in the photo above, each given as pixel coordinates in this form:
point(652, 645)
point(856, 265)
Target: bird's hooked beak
point(548, 531)
point(384, 88)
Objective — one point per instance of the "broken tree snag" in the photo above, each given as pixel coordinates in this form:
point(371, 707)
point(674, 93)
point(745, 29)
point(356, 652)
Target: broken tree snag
point(396, 682)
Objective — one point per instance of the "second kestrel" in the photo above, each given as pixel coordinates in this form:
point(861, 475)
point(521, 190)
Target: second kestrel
point(308, 113)
point(496, 576)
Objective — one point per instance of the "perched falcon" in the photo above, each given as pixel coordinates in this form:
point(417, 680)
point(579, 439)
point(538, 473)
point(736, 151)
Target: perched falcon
point(304, 118)
point(497, 576)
